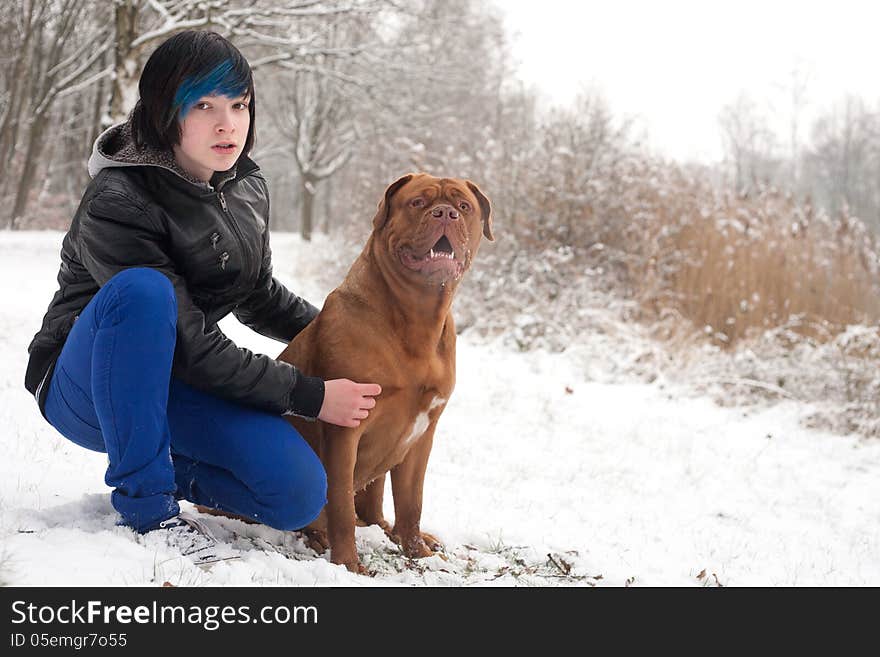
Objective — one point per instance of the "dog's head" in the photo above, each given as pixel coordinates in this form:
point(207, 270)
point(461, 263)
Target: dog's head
point(432, 226)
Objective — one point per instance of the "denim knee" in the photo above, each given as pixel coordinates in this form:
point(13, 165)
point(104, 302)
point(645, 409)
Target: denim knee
point(295, 500)
point(146, 291)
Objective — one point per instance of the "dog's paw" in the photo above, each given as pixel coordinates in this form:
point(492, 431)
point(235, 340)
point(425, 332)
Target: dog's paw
point(354, 564)
point(431, 541)
point(317, 540)
point(417, 546)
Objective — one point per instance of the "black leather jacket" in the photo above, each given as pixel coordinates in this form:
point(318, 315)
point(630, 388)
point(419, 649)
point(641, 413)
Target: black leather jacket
point(212, 242)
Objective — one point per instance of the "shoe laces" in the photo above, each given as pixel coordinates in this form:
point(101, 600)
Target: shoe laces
point(189, 535)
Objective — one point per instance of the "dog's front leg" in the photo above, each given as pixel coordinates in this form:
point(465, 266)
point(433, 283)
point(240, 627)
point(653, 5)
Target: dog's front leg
point(407, 482)
point(340, 452)
point(368, 504)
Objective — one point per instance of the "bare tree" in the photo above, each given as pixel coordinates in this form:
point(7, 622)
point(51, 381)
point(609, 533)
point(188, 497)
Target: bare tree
point(749, 144)
point(322, 131)
point(844, 160)
point(62, 62)
point(21, 22)
point(795, 90)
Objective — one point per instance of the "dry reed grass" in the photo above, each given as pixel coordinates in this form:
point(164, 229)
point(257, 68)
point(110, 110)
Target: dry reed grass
point(733, 266)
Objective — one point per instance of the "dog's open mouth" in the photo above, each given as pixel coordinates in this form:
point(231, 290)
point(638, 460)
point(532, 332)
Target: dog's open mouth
point(442, 249)
point(440, 260)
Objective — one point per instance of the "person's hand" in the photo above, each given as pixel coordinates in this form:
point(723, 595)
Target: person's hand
point(346, 403)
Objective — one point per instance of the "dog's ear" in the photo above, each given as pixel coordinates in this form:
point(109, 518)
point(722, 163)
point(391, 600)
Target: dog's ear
point(486, 208)
point(385, 204)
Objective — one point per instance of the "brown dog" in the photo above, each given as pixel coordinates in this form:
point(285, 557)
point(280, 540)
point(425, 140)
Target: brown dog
point(389, 322)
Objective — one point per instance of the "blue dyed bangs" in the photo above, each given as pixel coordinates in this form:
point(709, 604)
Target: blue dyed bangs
point(223, 80)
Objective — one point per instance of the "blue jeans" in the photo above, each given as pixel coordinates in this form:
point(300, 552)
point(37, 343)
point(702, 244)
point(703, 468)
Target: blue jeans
point(112, 391)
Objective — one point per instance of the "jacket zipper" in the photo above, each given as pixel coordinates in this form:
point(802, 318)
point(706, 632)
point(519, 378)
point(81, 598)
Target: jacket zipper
point(235, 229)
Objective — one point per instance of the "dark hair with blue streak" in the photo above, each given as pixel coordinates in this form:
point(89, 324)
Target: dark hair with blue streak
point(184, 69)
point(224, 80)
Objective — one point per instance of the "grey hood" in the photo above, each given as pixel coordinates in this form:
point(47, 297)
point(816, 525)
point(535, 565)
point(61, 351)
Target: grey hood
point(115, 147)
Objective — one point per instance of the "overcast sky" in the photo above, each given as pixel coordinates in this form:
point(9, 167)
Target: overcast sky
point(675, 63)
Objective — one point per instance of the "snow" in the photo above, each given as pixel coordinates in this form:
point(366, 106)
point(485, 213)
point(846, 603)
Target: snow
point(545, 471)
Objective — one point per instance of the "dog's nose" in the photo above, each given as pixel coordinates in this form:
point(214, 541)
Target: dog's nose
point(444, 213)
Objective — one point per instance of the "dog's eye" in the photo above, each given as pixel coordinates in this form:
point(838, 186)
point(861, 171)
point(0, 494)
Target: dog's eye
point(417, 202)
point(465, 206)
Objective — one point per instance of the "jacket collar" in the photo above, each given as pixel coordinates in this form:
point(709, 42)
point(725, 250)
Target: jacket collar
point(115, 147)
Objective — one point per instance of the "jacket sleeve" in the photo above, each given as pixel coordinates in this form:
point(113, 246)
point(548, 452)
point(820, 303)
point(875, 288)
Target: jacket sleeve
point(116, 233)
point(271, 309)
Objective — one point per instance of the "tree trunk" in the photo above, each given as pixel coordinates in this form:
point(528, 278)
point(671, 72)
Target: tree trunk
point(308, 206)
point(101, 105)
point(13, 108)
point(126, 68)
point(326, 206)
point(32, 155)
point(10, 116)
point(100, 110)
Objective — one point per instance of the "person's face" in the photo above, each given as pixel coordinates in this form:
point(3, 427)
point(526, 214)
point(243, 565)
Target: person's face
point(213, 121)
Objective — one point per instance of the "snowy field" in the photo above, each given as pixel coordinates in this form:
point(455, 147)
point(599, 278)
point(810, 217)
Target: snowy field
point(540, 476)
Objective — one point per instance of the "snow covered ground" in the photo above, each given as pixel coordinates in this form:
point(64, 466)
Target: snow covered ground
point(542, 474)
